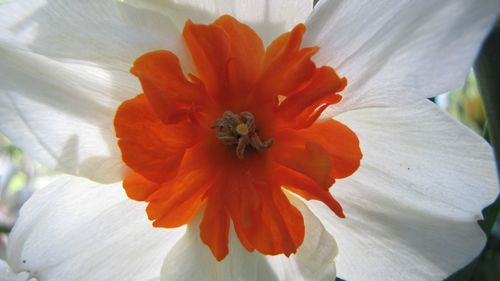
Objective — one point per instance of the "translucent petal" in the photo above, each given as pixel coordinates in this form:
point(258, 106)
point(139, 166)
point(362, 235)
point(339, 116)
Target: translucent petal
point(398, 51)
point(412, 207)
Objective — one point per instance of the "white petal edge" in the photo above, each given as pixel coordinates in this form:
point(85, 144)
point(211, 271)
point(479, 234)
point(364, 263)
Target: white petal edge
point(269, 18)
point(75, 229)
point(190, 259)
point(394, 51)
point(62, 114)
point(7, 275)
point(105, 32)
point(412, 207)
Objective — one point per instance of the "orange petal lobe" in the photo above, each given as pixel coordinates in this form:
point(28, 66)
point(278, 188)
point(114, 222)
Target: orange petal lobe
point(149, 146)
point(279, 226)
point(179, 199)
point(243, 203)
point(209, 47)
point(287, 67)
point(300, 107)
point(246, 55)
point(308, 189)
point(341, 144)
point(306, 157)
point(227, 55)
point(214, 227)
point(170, 93)
point(138, 187)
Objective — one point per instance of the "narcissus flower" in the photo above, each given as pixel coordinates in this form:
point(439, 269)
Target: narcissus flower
point(230, 139)
point(266, 137)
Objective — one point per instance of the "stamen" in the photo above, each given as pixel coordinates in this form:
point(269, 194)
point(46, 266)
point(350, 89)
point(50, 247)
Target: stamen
point(242, 129)
point(239, 130)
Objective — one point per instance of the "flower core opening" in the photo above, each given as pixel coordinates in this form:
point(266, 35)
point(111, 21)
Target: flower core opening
point(234, 139)
point(239, 131)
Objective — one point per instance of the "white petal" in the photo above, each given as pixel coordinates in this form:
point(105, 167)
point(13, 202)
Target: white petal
point(268, 18)
point(106, 32)
point(315, 259)
point(76, 229)
point(62, 113)
point(64, 72)
point(396, 51)
point(7, 275)
point(411, 208)
point(190, 259)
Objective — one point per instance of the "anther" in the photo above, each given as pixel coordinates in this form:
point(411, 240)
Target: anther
point(239, 130)
point(242, 129)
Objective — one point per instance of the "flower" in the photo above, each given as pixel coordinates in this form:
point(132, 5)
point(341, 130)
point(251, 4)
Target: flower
point(423, 178)
point(222, 140)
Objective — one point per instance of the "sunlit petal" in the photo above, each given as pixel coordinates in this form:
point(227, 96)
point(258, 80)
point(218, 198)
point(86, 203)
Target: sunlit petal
point(412, 208)
point(75, 229)
point(108, 33)
point(268, 18)
point(396, 52)
point(61, 113)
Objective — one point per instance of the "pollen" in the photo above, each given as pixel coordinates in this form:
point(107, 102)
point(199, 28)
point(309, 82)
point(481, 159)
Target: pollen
point(242, 129)
point(228, 142)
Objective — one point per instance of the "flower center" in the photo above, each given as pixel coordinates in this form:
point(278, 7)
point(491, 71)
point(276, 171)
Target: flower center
point(239, 130)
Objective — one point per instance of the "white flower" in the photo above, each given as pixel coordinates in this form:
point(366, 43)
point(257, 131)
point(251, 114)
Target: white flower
point(411, 208)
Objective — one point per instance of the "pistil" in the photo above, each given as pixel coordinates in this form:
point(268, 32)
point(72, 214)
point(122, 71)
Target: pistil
point(239, 130)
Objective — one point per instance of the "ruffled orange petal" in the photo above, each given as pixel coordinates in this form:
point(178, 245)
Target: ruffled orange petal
point(179, 199)
point(227, 55)
point(214, 227)
point(149, 146)
point(138, 187)
point(341, 144)
point(243, 203)
point(309, 160)
point(262, 216)
point(247, 54)
point(325, 151)
point(307, 188)
point(287, 67)
point(170, 93)
point(303, 156)
point(302, 108)
point(279, 226)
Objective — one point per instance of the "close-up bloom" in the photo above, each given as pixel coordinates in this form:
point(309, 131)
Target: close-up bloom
point(244, 140)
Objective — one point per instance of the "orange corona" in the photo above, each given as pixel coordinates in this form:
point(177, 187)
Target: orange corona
point(230, 140)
